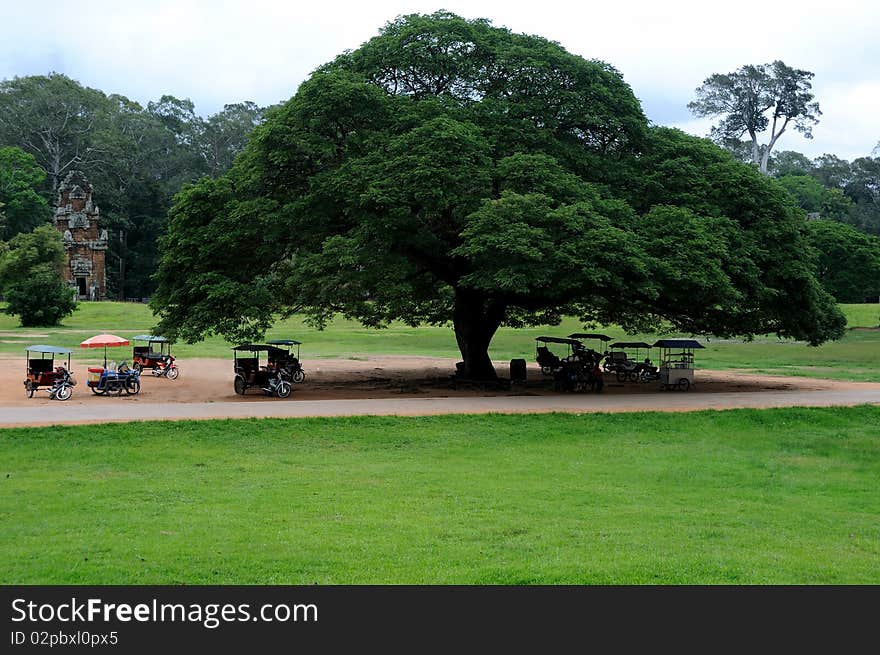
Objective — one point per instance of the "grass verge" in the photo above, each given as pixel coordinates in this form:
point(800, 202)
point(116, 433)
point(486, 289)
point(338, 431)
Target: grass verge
point(785, 496)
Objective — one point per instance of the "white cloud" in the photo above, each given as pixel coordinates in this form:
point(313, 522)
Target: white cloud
point(221, 52)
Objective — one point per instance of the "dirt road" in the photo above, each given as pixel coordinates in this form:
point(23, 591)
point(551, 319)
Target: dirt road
point(402, 386)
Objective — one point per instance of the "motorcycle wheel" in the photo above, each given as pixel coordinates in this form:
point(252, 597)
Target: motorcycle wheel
point(137, 366)
point(64, 392)
point(622, 376)
point(29, 389)
point(283, 389)
point(172, 373)
point(299, 376)
point(239, 385)
point(133, 386)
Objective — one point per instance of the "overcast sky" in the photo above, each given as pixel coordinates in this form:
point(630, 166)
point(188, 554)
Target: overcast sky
point(223, 51)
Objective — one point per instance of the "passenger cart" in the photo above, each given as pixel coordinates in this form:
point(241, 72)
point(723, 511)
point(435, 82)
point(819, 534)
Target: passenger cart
point(42, 372)
point(547, 359)
point(250, 373)
point(289, 365)
point(160, 362)
point(677, 363)
point(629, 368)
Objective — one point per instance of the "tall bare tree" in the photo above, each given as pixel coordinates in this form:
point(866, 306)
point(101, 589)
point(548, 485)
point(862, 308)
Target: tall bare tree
point(756, 98)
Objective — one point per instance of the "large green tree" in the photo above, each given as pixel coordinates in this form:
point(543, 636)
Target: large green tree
point(451, 171)
point(31, 278)
point(754, 98)
point(54, 118)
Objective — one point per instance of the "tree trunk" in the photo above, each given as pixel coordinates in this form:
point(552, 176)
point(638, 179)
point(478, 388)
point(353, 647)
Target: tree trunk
point(476, 319)
point(755, 156)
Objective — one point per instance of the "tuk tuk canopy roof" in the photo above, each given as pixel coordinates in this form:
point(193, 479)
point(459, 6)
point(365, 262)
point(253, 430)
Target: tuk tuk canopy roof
point(686, 344)
point(631, 344)
point(584, 335)
point(150, 337)
point(285, 342)
point(570, 342)
point(55, 350)
point(254, 347)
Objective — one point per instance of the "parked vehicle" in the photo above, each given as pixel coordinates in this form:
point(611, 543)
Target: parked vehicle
point(250, 373)
point(549, 361)
point(114, 380)
point(160, 362)
point(289, 365)
point(42, 372)
point(677, 363)
point(629, 368)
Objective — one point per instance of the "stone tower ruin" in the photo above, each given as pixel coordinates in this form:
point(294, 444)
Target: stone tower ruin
point(77, 218)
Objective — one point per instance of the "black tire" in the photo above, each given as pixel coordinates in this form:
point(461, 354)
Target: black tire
point(622, 376)
point(137, 366)
point(29, 389)
point(683, 384)
point(299, 376)
point(283, 389)
point(64, 392)
point(239, 385)
point(132, 386)
point(172, 373)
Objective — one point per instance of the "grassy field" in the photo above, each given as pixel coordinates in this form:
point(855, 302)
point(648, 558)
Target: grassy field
point(855, 357)
point(746, 496)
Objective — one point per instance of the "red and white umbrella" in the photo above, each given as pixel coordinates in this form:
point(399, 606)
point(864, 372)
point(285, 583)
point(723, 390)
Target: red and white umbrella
point(104, 341)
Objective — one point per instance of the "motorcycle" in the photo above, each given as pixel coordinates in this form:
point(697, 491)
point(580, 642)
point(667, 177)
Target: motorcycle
point(167, 369)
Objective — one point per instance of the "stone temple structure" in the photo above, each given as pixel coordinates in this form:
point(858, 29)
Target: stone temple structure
point(77, 218)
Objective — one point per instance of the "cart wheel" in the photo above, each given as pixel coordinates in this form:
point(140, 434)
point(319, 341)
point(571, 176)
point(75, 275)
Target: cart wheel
point(283, 389)
point(299, 375)
point(29, 389)
point(683, 384)
point(239, 385)
point(173, 373)
point(137, 366)
point(133, 386)
point(64, 392)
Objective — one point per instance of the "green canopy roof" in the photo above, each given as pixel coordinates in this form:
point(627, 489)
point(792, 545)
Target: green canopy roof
point(584, 335)
point(55, 350)
point(678, 343)
point(149, 337)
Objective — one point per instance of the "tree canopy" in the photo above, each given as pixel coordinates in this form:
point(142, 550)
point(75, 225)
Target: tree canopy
point(22, 208)
point(755, 97)
point(452, 171)
point(137, 157)
point(849, 261)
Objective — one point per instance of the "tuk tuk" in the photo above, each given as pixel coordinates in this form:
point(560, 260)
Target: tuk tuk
point(677, 363)
point(289, 365)
point(159, 361)
point(629, 368)
point(547, 359)
point(42, 372)
point(250, 373)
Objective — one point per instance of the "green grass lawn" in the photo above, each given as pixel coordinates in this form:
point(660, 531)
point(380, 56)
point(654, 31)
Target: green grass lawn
point(746, 496)
point(855, 357)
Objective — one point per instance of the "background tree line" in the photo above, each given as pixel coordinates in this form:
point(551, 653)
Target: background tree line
point(136, 157)
point(139, 157)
